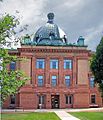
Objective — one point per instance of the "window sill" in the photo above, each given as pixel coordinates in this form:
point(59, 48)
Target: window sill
point(94, 105)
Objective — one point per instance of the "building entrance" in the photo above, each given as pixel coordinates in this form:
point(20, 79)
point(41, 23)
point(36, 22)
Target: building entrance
point(55, 101)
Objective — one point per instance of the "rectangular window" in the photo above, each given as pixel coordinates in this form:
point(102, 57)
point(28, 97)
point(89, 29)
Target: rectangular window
point(40, 80)
point(54, 81)
point(67, 80)
point(12, 65)
point(92, 82)
point(54, 64)
point(12, 99)
point(67, 64)
point(40, 63)
point(41, 99)
point(68, 99)
point(93, 99)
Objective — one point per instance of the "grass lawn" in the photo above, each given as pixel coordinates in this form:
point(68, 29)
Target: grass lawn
point(30, 116)
point(88, 115)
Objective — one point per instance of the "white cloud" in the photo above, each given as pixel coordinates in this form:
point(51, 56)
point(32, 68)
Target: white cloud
point(72, 3)
point(30, 11)
point(93, 32)
point(75, 17)
point(93, 36)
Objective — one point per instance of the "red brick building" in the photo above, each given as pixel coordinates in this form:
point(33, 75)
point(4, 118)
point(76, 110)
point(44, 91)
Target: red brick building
point(59, 71)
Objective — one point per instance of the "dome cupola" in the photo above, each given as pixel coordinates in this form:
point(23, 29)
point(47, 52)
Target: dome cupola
point(50, 33)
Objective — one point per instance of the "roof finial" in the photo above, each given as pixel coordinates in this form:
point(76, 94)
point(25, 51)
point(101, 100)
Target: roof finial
point(50, 17)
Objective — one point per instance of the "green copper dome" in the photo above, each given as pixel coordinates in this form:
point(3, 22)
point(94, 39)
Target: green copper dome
point(50, 33)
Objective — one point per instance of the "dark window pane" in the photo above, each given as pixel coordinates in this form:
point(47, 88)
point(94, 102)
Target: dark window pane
point(66, 97)
point(67, 64)
point(40, 63)
point(54, 64)
point(93, 99)
point(92, 82)
point(41, 99)
point(12, 99)
point(70, 99)
point(54, 80)
point(12, 65)
point(40, 80)
point(67, 81)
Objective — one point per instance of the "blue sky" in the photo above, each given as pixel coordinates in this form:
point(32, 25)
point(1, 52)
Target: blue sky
point(75, 17)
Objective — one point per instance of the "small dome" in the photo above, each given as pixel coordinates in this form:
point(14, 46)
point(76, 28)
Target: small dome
point(50, 33)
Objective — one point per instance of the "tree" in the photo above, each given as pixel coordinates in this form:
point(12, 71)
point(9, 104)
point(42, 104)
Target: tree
point(11, 80)
point(7, 25)
point(97, 67)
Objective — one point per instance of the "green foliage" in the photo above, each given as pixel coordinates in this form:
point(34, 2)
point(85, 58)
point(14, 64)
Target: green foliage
point(101, 89)
point(97, 63)
point(7, 25)
point(10, 80)
point(97, 67)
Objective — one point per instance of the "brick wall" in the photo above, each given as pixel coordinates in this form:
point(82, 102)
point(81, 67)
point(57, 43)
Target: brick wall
point(79, 88)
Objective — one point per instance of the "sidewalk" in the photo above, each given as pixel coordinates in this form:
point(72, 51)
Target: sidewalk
point(52, 110)
point(65, 116)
